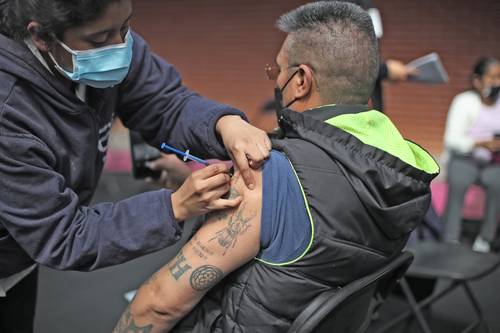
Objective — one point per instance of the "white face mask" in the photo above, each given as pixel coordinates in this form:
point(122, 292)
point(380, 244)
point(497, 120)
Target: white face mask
point(377, 22)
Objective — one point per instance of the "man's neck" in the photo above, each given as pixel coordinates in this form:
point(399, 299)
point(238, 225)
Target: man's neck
point(309, 103)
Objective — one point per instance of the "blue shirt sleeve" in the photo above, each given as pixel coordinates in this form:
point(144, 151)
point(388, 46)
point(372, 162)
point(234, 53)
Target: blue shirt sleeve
point(285, 225)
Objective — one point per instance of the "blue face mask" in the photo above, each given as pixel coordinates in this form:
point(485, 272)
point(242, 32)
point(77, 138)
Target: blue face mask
point(103, 67)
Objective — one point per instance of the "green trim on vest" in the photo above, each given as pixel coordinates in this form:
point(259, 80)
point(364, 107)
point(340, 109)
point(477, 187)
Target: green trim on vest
point(375, 129)
point(306, 204)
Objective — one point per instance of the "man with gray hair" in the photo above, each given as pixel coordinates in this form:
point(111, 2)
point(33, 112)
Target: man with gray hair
point(336, 200)
point(342, 53)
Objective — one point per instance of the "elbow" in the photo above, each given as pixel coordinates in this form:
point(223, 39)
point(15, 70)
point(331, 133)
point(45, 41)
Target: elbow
point(168, 314)
point(160, 309)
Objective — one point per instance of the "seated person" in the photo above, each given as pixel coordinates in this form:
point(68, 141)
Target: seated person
point(336, 200)
point(472, 144)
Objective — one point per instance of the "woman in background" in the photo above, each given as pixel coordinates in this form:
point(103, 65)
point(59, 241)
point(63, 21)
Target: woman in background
point(472, 142)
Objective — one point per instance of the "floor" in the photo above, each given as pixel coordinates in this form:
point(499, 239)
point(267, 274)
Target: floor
point(92, 302)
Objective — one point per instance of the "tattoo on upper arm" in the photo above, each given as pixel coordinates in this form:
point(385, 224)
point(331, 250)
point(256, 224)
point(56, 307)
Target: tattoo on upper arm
point(238, 224)
point(219, 215)
point(223, 214)
point(179, 266)
point(200, 249)
point(205, 277)
point(233, 193)
point(128, 325)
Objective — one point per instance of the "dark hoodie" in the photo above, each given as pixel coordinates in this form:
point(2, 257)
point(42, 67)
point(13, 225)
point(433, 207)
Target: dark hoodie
point(52, 150)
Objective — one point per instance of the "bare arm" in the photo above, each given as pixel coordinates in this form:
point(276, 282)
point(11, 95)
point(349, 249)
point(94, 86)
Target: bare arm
point(225, 242)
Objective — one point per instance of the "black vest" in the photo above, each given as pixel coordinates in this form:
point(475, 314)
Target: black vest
point(335, 171)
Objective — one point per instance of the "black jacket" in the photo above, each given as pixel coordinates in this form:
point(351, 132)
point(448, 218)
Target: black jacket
point(363, 203)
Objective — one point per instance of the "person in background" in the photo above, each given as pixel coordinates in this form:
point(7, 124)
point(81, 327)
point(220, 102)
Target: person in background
point(336, 200)
point(66, 69)
point(472, 146)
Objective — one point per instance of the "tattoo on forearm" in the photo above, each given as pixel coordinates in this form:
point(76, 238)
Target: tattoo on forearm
point(179, 266)
point(238, 224)
point(205, 277)
point(128, 325)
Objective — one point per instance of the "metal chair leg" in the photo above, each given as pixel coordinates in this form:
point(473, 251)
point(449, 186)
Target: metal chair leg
point(476, 306)
point(413, 303)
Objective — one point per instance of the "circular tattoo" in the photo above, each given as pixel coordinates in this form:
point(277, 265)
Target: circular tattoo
point(205, 277)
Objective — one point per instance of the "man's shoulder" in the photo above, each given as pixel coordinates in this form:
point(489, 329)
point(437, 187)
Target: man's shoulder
point(278, 158)
point(285, 226)
point(277, 170)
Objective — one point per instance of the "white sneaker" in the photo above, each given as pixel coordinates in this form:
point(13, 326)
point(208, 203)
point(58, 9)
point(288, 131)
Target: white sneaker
point(481, 245)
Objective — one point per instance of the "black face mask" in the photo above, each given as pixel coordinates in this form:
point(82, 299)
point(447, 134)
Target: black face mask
point(278, 97)
point(278, 101)
point(491, 93)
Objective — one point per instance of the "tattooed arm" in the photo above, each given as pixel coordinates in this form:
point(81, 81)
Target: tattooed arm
point(226, 241)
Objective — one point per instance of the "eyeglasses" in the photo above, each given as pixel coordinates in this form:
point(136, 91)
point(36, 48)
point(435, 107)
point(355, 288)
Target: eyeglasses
point(272, 71)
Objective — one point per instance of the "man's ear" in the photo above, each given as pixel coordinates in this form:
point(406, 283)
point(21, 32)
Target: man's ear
point(34, 30)
point(303, 82)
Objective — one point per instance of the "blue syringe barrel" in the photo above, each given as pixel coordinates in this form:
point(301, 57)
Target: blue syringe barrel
point(186, 155)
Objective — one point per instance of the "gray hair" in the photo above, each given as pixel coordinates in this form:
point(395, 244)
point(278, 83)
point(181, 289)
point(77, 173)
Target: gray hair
point(338, 41)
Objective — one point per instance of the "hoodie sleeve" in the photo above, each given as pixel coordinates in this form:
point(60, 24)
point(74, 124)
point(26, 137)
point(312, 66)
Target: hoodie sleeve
point(154, 102)
point(45, 217)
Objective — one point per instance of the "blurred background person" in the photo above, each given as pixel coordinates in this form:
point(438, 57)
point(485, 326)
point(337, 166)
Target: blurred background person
point(472, 145)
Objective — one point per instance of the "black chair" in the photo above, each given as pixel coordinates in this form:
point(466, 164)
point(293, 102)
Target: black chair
point(349, 309)
point(449, 260)
point(455, 263)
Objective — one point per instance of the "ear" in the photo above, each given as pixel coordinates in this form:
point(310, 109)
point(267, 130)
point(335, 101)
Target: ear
point(303, 83)
point(34, 29)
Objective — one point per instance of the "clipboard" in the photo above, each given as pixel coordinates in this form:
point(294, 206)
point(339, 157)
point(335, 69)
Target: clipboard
point(430, 70)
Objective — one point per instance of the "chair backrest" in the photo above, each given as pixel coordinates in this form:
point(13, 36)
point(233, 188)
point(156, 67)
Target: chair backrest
point(348, 310)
